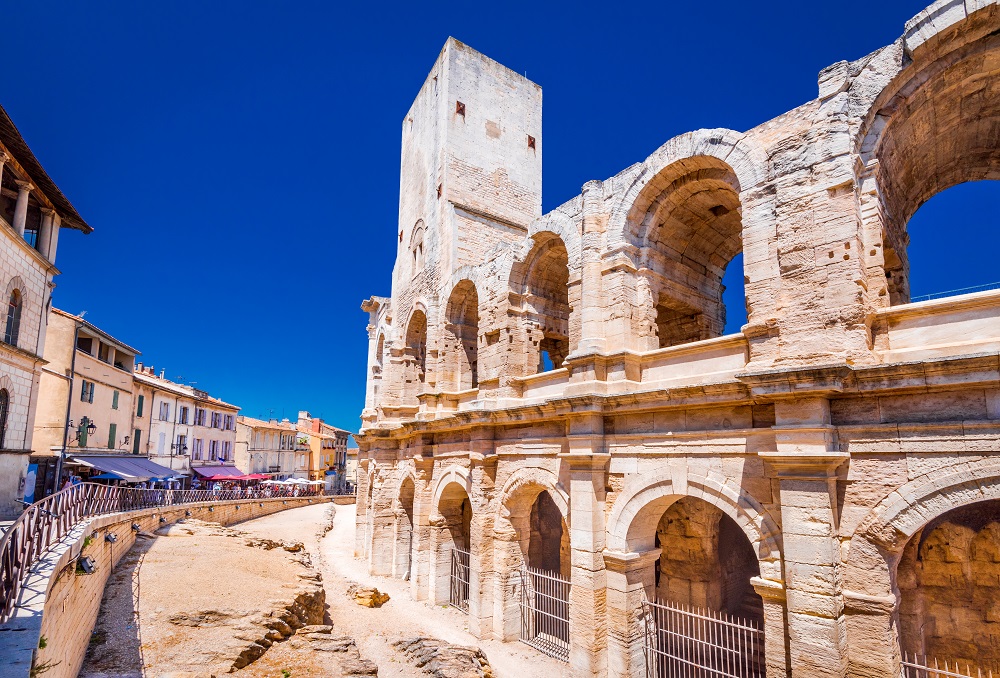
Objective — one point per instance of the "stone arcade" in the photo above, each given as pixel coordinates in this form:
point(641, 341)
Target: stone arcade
point(555, 390)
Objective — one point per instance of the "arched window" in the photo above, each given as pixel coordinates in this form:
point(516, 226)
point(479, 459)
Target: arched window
point(461, 338)
point(417, 247)
point(13, 318)
point(544, 286)
point(415, 372)
point(4, 406)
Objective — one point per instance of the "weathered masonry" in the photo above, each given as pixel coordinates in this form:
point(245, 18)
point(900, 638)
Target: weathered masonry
point(551, 399)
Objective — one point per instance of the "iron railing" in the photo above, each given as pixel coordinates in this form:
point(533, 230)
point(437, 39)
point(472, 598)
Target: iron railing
point(917, 666)
point(686, 641)
point(45, 522)
point(458, 591)
point(545, 612)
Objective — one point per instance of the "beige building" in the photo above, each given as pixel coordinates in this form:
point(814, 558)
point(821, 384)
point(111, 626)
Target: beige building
point(552, 402)
point(32, 212)
point(327, 446)
point(85, 395)
point(181, 427)
point(269, 447)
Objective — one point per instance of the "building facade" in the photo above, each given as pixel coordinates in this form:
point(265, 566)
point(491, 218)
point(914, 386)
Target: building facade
point(555, 390)
point(32, 212)
point(268, 447)
point(327, 446)
point(181, 427)
point(86, 383)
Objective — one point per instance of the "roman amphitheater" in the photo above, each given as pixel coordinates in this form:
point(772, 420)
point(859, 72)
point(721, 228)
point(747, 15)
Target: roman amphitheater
point(560, 440)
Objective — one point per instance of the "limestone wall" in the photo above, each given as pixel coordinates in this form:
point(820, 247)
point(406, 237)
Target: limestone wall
point(61, 606)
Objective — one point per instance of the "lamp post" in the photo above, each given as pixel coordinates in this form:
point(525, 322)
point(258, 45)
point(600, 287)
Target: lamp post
point(86, 427)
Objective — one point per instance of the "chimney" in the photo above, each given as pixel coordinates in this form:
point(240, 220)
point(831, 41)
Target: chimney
point(138, 368)
point(316, 424)
point(163, 374)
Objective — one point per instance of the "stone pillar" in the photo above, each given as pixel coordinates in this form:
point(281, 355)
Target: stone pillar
point(872, 628)
point(21, 206)
point(45, 232)
point(806, 463)
point(362, 544)
point(54, 240)
point(587, 463)
point(3, 161)
point(440, 559)
point(592, 310)
point(483, 464)
point(420, 554)
point(775, 621)
point(631, 579)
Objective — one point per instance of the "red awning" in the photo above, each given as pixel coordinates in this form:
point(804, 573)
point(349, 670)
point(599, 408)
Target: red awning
point(255, 476)
point(218, 472)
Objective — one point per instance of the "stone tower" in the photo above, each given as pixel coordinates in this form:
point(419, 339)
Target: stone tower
point(471, 168)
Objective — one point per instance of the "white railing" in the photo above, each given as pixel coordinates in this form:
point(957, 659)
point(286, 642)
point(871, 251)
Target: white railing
point(915, 666)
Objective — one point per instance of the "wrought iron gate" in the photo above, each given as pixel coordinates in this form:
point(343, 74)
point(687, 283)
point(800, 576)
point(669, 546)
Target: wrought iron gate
point(915, 666)
point(684, 641)
point(545, 612)
point(458, 593)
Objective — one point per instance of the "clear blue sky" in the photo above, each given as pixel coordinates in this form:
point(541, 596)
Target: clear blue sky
point(239, 160)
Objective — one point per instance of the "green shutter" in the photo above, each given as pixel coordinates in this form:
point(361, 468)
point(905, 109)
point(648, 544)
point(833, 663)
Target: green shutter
point(138, 410)
point(137, 436)
point(112, 436)
point(114, 401)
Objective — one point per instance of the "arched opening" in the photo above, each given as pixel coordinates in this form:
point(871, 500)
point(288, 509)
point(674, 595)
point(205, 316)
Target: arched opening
point(13, 325)
point(377, 368)
point(453, 542)
point(415, 356)
point(973, 205)
point(936, 127)
point(948, 578)
point(688, 223)
point(461, 338)
point(706, 561)
point(699, 599)
point(4, 408)
point(404, 530)
point(548, 539)
point(417, 248)
point(545, 298)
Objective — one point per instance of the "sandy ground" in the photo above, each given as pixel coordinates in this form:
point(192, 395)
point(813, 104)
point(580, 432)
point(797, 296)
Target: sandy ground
point(173, 573)
point(403, 617)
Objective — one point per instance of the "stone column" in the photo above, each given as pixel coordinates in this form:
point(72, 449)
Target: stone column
point(872, 625)
point(806, 463)
point(631, 579)
point(592, 312)
point(361, 541)
point(21, 206)
point(3, 161)
point(420, 553)
point(775, 622)
point(45, 232)
point(483, 465)
point(587, 463)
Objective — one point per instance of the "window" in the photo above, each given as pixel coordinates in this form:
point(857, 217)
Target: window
point(182, 417)
point(226, 449)
point(114, 401)
point(112, 436)
point(179, 448)
point(87, 391)
point(199, 449)
point(136, 437)
point(164, 411)
point(85, 344)
point(4, 406)
point(138, 407)
point(161, 444)
point(199, 417)
point(213, 450)
point(104, 353)
point(230, 421)
point(13, 318)
point(216, 420)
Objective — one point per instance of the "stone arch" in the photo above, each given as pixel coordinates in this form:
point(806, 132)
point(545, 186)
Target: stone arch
point(459, 349)
point(453, 474)
point(644, 499)
point(415, 354)
point(451, 517)
point(876, 547)
point(558, 224)
point(416, 247)
point(746, 158)
point(404, 514)
point(930, 124)
point(533, 477)
point(540, 294)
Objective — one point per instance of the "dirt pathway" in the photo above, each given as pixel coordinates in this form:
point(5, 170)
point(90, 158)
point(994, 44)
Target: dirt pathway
point(402, 617)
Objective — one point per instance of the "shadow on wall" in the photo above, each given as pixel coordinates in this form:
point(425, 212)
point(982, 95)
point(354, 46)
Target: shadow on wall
point(116, 642)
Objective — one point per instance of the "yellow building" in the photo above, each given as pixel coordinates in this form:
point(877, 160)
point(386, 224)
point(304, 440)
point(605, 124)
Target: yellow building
point(327, 446)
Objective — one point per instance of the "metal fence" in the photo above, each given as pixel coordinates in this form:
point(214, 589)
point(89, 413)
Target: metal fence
point(458, 593)
point(696, 643)
point(917, 666)
point(45, 522)
point(545, 612)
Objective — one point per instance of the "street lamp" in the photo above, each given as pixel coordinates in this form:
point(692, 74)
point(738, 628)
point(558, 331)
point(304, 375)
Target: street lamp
point(87, 426)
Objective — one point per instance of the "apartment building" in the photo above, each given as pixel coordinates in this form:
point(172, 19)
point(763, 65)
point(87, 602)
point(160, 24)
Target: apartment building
point(268, 447)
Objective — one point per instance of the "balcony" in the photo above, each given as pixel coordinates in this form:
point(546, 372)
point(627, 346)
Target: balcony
point(939, 328)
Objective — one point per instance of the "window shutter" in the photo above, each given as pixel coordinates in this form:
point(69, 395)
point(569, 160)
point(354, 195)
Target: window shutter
point(112, 434)
point(135, 439)
point(114, 401)
point(138, 409)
